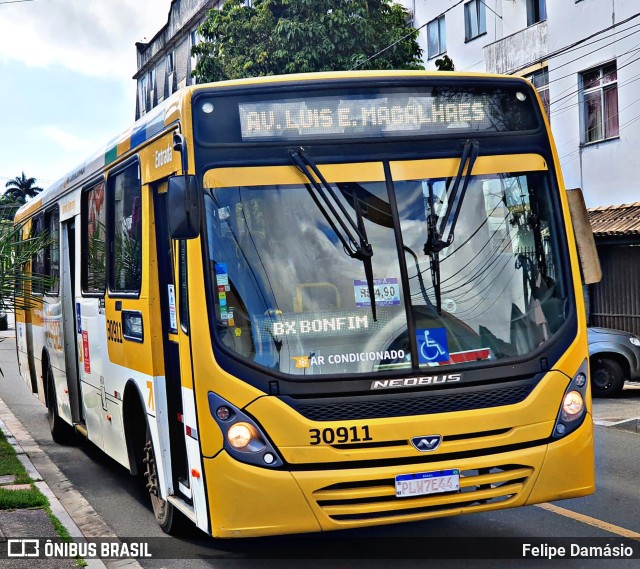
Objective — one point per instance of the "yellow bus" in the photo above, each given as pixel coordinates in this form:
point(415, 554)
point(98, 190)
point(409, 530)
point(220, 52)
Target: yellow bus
point(320, 301)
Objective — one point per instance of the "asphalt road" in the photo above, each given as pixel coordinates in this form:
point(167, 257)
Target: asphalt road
point(611, 513)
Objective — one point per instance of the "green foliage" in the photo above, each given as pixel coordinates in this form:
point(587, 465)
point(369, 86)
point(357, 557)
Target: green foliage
point(15, 257)
point(128, 261)
point(445, 63)
point(17, 191)
point(8, 207)
point(274, 37)
point(97, 258)
point(12, 499)
point(32, 498)
point(9, 464)
point(20, 188)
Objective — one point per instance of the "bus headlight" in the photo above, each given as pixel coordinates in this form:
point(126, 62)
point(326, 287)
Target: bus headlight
point(572, 405)
point(573, 409)
point(243, 438)
point(241, 435)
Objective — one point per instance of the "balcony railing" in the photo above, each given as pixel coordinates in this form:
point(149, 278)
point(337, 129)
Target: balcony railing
point(517, 51)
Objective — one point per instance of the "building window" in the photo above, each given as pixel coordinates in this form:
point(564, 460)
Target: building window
point(600, 103)
point(170, 63)
point(436, 37)
point(170, 81)
point(152, 100)
point(536, 11)
point(540, 80)
point(195, 40)
point(475, 19)
point(143, 95)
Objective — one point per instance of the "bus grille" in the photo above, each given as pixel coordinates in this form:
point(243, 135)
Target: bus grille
point(401, 407)
point(376, 499)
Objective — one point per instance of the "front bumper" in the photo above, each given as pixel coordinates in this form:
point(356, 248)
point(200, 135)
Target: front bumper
point(247, 501)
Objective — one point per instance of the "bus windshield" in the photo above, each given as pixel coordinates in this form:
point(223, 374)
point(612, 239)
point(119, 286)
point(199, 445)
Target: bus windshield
point(288, 298)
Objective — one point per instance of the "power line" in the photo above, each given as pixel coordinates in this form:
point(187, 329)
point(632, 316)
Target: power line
point(569, 47)
point(413, 30)
point(15, 1)
point(577, 90)
point(595, 51)
point(403, 38)
point(619, 86)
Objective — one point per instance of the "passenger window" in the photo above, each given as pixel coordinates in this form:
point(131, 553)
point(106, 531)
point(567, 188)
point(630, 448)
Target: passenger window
point(94, 240)
point(125, 209)
point(38, 259)
point(52, 251)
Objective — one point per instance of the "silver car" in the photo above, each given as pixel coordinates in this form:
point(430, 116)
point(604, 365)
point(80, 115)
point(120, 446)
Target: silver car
point(615, 357)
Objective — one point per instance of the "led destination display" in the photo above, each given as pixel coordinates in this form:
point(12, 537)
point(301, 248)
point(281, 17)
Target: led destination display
point(391, 114)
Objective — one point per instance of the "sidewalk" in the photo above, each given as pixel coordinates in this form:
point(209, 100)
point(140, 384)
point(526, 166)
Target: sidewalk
point(34, 523)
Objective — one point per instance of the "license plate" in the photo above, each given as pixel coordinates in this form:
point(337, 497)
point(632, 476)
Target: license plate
point(423, 483)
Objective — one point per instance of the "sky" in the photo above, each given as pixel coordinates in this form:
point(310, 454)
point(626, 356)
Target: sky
point(66, 86)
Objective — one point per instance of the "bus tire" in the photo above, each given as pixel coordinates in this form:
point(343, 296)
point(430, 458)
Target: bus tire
point(170, 520)
point(61, 432)
point(607, 377)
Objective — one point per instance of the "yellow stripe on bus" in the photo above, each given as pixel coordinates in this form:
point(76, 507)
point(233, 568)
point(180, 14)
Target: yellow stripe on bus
point(283, 175)
point(447, 167)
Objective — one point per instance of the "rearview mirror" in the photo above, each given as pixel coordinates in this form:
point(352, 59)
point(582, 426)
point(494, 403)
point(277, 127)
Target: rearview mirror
point(587, 252)
point(183, 205)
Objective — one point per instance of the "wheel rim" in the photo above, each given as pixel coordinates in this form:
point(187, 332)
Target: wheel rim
point(602, 378)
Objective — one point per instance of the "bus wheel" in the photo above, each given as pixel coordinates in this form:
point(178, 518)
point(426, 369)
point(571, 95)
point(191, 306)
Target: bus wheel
point(61, 432)
point(607, 377)
point(169, 519)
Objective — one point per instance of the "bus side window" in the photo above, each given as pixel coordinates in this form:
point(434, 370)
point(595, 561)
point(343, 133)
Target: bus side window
point(94, 240)
point(20, 236)
point(125, 222)
point(37, 261)
point(52, 251)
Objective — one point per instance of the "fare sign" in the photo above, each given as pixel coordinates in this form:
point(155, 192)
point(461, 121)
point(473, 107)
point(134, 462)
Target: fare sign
point(390, 114)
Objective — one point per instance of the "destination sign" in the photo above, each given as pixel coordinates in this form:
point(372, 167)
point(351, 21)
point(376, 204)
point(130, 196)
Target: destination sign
point(386, 114)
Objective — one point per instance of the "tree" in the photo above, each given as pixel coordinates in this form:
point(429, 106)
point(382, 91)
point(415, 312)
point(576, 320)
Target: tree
point(273, 37)
point(16, 280)
point(445, 63)
point(20, 188)
point(8, 208)
point(17, 249)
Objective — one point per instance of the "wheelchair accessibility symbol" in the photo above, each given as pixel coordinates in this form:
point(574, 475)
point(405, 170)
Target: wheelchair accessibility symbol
point(432, 345)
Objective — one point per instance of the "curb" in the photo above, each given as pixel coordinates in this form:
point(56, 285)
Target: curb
point(72, 509)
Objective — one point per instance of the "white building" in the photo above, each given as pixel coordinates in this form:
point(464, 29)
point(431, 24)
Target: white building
point(584, 58)
point(165, 63)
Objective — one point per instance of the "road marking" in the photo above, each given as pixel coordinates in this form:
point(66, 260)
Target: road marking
point(590, 521)
point(610, 423)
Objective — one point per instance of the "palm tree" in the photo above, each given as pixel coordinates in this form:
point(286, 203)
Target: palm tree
point(20, 188)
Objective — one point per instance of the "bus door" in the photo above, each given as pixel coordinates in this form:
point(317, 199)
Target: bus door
point(69, 318)
point(169, 325)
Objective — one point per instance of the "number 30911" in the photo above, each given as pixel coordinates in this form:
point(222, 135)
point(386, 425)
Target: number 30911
point(340, 435)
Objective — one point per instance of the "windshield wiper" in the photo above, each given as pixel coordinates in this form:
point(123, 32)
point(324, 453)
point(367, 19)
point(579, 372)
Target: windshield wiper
point(440, 236)
point(351, 233)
